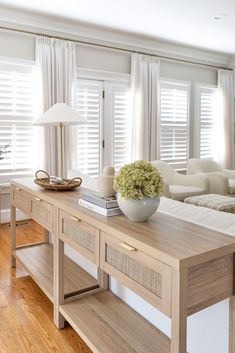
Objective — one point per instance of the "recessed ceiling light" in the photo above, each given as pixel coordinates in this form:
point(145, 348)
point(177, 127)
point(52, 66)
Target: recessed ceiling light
point(219, 16)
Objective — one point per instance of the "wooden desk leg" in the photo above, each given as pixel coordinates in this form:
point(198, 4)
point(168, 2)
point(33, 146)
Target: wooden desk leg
point(58, 281)
point(179, 312)
point(103, 278)
point(232, 324)
point(58, 276)
point(13, 235)
point(46, 236)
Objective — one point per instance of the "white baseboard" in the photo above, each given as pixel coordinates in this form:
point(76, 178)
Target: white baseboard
point(5, 216)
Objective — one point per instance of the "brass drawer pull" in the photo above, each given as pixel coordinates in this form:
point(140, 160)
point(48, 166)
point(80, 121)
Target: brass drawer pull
point(38, 199)
point(18, 189)
point(75, 219)
point(128, 247)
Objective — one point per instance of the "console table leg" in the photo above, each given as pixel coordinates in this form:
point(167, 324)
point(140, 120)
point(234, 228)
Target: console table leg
point(232, 324)
point(46, 236)
point(58, 280)
point(179, 312)
point(103, 278)
point(13, 235)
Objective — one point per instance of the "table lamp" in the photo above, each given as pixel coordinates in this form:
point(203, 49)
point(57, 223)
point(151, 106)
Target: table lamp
point(60, 114)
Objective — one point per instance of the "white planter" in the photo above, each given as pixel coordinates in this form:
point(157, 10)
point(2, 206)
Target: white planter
point(138, 210)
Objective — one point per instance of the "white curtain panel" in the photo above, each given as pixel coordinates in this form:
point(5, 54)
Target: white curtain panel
point(145, 82)
point(226, 118)
point(56, 71)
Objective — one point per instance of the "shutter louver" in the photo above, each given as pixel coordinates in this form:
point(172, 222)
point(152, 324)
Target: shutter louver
point(121, 145)
point(17, 112)
point(207, 122)
point(174, 124)
point(89, 105)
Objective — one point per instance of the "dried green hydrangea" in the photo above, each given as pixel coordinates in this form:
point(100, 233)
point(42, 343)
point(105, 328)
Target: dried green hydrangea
point(138, 180)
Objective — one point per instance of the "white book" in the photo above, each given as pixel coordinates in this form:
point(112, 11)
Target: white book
point(104, 211)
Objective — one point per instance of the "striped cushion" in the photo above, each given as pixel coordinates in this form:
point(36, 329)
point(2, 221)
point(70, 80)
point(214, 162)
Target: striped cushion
point(217, 202)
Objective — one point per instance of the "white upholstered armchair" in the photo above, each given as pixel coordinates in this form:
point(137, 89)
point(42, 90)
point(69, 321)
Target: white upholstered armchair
point(222, 181)
point(181, 186)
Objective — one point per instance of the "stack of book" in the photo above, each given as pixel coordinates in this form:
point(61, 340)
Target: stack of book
point(106, 206)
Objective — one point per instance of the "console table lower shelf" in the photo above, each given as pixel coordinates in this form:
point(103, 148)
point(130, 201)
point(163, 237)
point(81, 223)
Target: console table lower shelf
point(38, 262)
point(103, 321)
point(108, 325)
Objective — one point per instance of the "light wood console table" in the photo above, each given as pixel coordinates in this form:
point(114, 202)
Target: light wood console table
point(178, 267)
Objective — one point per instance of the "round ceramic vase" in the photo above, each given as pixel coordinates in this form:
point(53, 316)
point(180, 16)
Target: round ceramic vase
point(138, 210)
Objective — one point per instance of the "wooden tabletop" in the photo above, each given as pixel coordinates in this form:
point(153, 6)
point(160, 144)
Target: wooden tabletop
point(176, 242)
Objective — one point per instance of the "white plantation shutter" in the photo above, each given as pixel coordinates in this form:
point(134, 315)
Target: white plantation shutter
point(174, 123)
point(17, 112)
point(105, 140)
point(121, 128)
point(206, 120)
point(89, 104)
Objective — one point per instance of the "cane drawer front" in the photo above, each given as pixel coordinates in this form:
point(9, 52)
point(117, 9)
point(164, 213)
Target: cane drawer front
point(43, 213)
point(80, 235)
point(21, 199)
point(148, 277)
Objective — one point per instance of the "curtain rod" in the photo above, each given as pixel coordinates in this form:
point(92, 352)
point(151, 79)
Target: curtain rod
point(115, 48)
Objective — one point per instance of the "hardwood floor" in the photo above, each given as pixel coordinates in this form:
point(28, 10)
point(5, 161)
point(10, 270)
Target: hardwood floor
point(26, 324)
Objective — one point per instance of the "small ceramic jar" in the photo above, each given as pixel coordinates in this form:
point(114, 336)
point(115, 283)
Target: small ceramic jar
point(105, 182)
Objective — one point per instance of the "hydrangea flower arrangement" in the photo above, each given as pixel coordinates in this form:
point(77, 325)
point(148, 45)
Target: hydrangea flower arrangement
point(138, 180)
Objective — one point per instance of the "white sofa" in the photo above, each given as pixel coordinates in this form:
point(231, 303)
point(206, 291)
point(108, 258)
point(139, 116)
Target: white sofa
point(176, 186)
point(181, 186)
point(222, 181)
point(210, 218)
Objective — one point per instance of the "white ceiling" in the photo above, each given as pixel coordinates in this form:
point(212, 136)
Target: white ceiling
point(189, 22)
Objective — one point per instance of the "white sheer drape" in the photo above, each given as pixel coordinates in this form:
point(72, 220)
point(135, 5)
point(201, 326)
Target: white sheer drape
point(226, 118)
point(56, 69)
point(145, 97)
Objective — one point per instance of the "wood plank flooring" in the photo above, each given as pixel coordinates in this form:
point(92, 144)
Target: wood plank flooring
point(26, 324)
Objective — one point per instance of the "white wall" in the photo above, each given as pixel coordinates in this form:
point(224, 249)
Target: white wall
point(103, 59)
point(17, 45)
point(188, 72)
point(208, 329)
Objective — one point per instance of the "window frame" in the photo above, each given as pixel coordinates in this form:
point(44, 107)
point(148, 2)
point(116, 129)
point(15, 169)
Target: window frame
point(16, 64)
point(188, 86)
point(99, 85)
point(109, 80)
point(108, 158)
point(197, 115)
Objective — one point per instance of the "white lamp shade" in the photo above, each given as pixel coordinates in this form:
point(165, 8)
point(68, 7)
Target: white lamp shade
point(60, 113)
